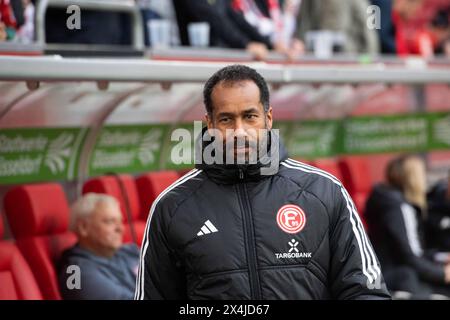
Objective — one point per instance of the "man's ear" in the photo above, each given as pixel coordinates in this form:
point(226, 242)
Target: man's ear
point(82, 227)
point(269, 118)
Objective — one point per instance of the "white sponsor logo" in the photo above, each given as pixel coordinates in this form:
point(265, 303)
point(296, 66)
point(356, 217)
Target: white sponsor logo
point(293, 243)
point(293, 252)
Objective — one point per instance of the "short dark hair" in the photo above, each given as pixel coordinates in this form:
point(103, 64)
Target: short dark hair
point(236, 73)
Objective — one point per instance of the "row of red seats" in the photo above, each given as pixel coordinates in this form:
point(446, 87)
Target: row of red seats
point(17, 280)
point(38, 216)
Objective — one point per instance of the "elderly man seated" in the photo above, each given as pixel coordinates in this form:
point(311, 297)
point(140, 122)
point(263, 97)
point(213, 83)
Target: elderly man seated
point(106, 269)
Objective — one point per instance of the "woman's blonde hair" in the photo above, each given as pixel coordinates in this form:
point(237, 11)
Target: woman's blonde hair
point(408, 174)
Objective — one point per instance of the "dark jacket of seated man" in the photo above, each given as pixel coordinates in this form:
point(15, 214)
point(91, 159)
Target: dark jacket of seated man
point(99, 266)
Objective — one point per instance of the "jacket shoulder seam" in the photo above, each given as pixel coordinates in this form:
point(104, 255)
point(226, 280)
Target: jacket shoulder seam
point(178, 204)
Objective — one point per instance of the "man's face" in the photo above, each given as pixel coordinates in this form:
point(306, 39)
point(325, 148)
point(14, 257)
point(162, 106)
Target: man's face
point(239, 115)
point(104, 227)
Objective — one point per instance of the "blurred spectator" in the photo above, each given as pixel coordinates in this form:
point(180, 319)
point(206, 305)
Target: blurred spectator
point(290, 11)
point(439, 215)
point(26, 31)
point(275, 22)
point(396, 36)
point(3, 33)
point(446, 48)
point(11, 18)
point(107, 268)
point(408, 42)
point(224, 31)
point(396, 215)
point(349, 17)
point(440, 30)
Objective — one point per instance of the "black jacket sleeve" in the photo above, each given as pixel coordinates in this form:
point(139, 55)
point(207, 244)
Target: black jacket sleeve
point(438, 207)
point(160, 274)
point(396, 227)
point(355, 270)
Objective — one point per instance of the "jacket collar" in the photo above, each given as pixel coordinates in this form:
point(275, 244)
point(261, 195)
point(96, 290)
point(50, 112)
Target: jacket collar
point(237, 173)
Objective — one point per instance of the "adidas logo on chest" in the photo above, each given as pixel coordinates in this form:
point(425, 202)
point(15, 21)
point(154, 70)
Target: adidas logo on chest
point(207, 228)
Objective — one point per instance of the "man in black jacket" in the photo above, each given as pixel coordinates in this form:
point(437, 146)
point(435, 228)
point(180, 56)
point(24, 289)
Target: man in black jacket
point(438, 224)
point(228, 29)
point(237, 231)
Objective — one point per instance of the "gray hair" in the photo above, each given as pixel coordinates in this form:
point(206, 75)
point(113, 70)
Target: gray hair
point(85, 206)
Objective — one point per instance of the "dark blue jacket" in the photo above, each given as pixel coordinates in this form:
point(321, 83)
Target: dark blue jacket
point(100, 278)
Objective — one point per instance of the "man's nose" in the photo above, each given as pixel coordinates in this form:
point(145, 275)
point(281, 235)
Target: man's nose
point(240, 130)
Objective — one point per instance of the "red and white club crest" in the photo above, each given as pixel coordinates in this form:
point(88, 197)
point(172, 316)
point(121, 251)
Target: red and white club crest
point(291, 218)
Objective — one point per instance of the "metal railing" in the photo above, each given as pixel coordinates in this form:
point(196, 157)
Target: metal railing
point(51, 68)
point(124, 6)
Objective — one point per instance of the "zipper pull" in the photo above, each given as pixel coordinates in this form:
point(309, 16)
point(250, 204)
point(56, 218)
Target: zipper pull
point(241, 174)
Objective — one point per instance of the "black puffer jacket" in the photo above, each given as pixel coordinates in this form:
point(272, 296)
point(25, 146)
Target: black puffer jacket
point(228, 232)
point(438, 222)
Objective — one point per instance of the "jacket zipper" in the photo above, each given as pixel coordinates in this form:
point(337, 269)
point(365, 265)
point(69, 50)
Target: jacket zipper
point(250, 241)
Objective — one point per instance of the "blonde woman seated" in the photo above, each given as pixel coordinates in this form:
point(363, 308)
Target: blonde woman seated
point(396, 213)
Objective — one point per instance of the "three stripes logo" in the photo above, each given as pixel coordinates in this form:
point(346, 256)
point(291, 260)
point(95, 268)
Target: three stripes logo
point(207, 228)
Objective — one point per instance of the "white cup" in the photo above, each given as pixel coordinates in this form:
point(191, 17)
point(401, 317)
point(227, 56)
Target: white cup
point(323, 42)
point(323, 47)
point(159, 32)
point(198, 34)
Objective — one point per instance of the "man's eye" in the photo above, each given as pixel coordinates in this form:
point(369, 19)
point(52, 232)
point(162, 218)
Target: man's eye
point(224, 120)
point(251, 116)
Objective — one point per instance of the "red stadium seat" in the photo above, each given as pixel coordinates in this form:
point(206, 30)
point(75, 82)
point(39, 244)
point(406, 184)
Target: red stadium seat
point(150, 185)
point(39, 218)
point(356, 177)
point(358, 180)
point(355, 171)
point(17, 280)
point(110, 185)
point(328, 165)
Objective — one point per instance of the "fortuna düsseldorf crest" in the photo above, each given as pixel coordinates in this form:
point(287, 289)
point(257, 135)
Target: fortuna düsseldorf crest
point(291, 218)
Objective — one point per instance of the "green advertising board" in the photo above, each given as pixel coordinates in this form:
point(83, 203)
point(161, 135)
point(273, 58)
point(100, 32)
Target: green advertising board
point(405, 133)
point(44, 154)
point(439, 131)
point(368, 135)
point(127, 149)
point(38, 154)
point(313, 139)
point(180, 151)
